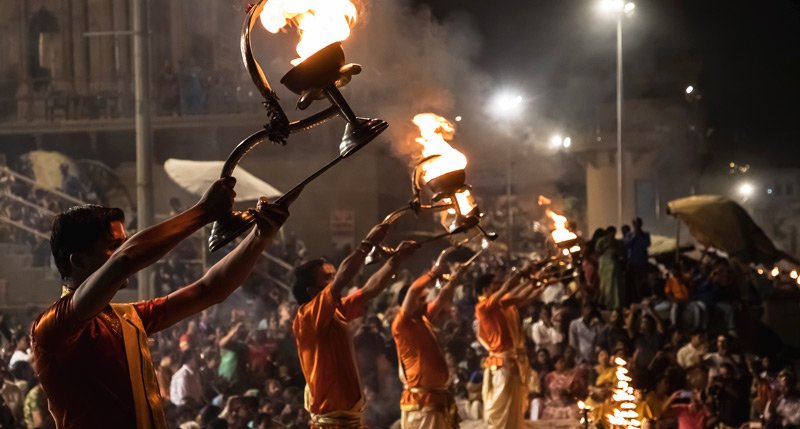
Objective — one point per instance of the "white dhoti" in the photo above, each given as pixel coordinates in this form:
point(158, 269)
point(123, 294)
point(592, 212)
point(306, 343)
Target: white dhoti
point(504, 395)
point(424, 419)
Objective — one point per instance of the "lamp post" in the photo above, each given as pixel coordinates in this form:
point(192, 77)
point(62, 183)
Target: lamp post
point(620, 8)
point(505, 107)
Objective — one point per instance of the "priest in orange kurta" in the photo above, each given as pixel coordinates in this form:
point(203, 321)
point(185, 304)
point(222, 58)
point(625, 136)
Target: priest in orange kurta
point(91, 356)
point(500, 332)
point(333, 395)
point(426, 402)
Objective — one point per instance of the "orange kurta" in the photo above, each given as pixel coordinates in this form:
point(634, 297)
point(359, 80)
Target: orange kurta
point(325, 348)
point(83, 367)
point(422, 362)
point(499, 328)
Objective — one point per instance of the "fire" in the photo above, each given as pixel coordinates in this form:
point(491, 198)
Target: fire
point(561, 233)
point(319, 22)
point(434, 132)
point(624, 414)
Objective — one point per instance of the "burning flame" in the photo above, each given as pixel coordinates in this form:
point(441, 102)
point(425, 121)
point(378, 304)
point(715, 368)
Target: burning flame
point(319, 22)
point(434, 132)
point(561, 233)
point(624, 414)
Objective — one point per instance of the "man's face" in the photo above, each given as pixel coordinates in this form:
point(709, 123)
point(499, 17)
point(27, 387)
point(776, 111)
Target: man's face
point(103, 248)
point(322, 278)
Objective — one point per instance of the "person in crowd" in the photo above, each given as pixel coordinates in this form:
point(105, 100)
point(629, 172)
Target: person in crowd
point(613, 335)
point(688, 409)
point(608, 256)
point(784, 410)
point(723, 355)
point(545, 334)
point(185, 387)
point(333, 393)
point(584, 333)
point(425, 402)
point(22, 351)
point(637, 241)
point(93, 358)
point(559, 392)
point(603, 378)
point(692, 353)
point(499, 331)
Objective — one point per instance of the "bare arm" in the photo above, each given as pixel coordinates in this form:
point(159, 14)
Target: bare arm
point(413, 300)
point(229, 273)
point(445, 297)
point(351, 265)
point(232, 333)
point(148, 246)
point(381, 279)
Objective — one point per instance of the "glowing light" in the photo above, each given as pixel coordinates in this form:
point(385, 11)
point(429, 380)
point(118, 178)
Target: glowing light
point(793, 274)
point(567, 142)
point(775, 272)
point(506, 104)
point(458, 118)
point(318, 22)
point(746, 189)
point(434, 132)
point(617, 6)
point(689, 89)
point(561, 233)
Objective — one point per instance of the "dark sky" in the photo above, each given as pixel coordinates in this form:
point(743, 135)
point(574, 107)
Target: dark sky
point(743, 56)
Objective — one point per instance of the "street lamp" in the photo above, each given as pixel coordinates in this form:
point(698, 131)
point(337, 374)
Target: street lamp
point(620, 8)
point(746, 189)
point(506, 106)
point(558, 142)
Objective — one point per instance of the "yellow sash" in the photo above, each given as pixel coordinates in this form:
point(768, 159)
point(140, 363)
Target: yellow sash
point(345, 419)
point(146, 396)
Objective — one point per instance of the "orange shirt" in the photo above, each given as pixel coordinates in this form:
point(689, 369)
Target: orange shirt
point(83, 367)
point(498, 326)
point(422, 360)
point(325, 348)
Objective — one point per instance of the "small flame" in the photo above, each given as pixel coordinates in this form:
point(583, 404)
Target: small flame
point(561, 233)
point(319, 22)
point(434, 132)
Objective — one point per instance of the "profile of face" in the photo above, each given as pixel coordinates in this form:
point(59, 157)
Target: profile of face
point(602, 356)
point(322, 278)
point(543, 357)
point(560, 364)
point(86, 263)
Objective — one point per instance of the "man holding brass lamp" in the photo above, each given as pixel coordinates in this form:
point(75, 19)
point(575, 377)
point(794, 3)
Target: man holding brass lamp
point(333, 394)
point(426, 402)
point(92, 357)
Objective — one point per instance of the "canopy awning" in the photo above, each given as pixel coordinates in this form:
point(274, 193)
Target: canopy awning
point(715, 221)
point(196, 176)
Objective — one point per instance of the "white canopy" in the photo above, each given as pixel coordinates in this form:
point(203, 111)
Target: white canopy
point(196, 176)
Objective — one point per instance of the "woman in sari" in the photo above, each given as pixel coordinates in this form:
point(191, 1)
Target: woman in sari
point(558, 386)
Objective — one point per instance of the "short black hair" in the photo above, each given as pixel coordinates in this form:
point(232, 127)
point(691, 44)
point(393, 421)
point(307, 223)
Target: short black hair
point(77, 230)
point(304, 278)
point(483, 282)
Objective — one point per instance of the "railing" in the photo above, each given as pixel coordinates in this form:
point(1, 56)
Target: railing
point(191, 95)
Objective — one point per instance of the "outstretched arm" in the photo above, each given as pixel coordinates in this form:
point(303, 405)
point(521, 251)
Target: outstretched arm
point(351, 265)
point(414, 299)
point(230, 272)
point(445, 297)
point(148, 246)
point(381, 279)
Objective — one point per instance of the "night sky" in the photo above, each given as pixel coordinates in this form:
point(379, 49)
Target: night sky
point(743, 56)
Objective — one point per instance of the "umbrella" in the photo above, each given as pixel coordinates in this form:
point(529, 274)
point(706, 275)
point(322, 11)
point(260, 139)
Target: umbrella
point(196, 176)
point(715, 221)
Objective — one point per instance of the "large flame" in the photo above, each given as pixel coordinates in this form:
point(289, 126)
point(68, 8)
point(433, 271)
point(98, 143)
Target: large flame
point(624, 413)
point(434, 132)
point(560, 232)
point(319, 22)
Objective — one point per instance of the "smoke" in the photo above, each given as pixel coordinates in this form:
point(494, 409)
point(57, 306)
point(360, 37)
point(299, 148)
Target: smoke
point(413, 63)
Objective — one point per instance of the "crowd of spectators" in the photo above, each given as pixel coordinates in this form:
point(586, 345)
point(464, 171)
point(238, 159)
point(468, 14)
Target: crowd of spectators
point(697, 351)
